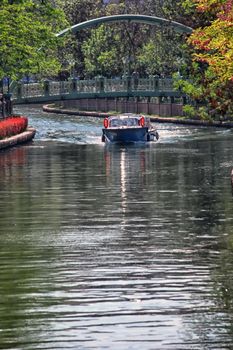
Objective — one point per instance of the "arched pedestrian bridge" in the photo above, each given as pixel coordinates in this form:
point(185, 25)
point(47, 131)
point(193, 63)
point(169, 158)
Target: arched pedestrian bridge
point(158, 21)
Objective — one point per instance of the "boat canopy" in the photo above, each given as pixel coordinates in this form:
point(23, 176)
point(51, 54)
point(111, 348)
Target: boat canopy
point(124, 121)
point(127, 120)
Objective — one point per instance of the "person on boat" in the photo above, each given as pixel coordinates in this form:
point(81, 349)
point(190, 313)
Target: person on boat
point(2, 106)
point(8, 103)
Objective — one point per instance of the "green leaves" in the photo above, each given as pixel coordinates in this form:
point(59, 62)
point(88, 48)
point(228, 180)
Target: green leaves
point(27, 41)
point(101, 52)
point(104, 52)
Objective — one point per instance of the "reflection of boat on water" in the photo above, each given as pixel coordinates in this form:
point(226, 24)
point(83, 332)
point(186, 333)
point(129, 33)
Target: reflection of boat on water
point(128, 128)
point(125, 172)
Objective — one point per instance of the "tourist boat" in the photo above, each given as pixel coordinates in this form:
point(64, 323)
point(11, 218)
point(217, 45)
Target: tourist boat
point(128, 128)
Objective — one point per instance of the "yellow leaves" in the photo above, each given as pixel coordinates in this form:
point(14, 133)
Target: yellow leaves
point(214, 44)
point(207, 5)
point(213, 53)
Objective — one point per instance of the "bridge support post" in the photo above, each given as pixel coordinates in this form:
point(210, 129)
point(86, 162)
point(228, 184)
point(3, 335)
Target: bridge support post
point(156, 83)
point(184, 100)
point(136, 102)
point(46, 88)
point(172, 101)
point(160, 99)
point(128, 83)
point(115, 104)
point(100, 84)
point(74, 85)
point(19, 91)
point(148, 105)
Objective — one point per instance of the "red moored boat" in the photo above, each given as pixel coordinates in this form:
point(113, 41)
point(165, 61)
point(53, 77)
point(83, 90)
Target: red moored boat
point(14, 130)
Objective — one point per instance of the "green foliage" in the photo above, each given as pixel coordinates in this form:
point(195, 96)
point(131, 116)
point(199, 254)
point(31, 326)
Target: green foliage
point(163, 44)
point(212, 45)
point(189, 87)
point(146, 48)
point(78, 11)
point(189, 111)
point(203, 113)
point(28, 43)
point(100, 52)
point(150, 58)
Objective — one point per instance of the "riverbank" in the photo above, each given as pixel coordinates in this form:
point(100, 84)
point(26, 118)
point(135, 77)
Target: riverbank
point(51, 108)
point(23, 137)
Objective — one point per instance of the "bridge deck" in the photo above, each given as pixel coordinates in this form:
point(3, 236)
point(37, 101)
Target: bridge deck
point(96, 88)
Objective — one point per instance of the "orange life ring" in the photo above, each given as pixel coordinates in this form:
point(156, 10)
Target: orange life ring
point(106, 123)
point(142, 121)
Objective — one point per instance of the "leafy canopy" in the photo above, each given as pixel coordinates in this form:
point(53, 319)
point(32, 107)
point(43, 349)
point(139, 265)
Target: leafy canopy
point(27, 40)
point(214, 43)
point(213, 54)
point(142, 47)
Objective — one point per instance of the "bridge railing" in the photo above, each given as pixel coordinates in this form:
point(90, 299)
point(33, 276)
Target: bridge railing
point(28, 90)
point(73, 88)
point(59, 88)
point(85, 86)
point(115, 85)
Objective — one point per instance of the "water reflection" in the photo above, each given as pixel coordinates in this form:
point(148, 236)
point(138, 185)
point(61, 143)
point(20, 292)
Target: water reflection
point(117, 248)
point(125, 162)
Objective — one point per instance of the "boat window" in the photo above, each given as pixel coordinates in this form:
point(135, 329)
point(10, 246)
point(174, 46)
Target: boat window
point(124, 122)
point(132, 122)
point(115, 122)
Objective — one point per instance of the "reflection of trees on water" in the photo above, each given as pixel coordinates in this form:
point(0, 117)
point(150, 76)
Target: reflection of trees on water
point(178, 199)
point(212, 323)
point(24, 264)
point(176, 183)
point(163, 207)
point(223, 278)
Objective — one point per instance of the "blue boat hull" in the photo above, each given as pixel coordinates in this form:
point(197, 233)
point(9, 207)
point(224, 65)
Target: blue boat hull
point(126, 135)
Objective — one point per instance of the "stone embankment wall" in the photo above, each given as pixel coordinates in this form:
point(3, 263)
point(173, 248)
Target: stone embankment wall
point(124, 106)
point(88, 108)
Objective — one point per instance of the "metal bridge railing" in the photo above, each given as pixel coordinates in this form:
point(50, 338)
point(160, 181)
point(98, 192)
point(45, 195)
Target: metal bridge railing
point(84, 86)
point(115, 85)
point(103, 87)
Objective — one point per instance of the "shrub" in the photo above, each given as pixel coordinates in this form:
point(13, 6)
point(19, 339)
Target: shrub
point(204, 114)
point(189, 111)
point(12, 126)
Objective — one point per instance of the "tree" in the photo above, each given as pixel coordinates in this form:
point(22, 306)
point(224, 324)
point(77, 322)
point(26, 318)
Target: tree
point(27, 40)
point(213, 55)
point(129, 40)
point(151, 49)
point(78, 11)
point(101, 52)
point(162, 54)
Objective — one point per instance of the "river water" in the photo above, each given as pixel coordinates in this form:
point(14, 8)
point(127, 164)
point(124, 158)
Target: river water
point(116, 247)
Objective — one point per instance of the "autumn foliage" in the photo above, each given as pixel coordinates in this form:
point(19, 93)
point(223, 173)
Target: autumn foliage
point(212, 45)
point(12, 126)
